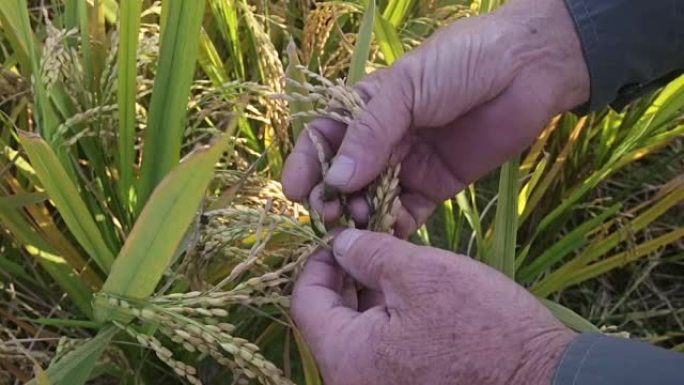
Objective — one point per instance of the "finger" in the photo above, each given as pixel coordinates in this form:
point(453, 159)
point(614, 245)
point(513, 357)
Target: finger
point(368, 143)
point(414, 211)
point(317, 303)
point(369, 298)
point(371, 83)
point(406, 224)
point(330, 210)
point(350, 296)
point(377, 261)
point(302, 169)
point(359, 210)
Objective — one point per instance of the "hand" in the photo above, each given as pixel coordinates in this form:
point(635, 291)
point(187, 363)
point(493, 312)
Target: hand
point(471, 97)
point(427, 317)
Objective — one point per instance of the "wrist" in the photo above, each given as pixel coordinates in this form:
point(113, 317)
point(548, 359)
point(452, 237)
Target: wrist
point(541, 356)
point(550, 48)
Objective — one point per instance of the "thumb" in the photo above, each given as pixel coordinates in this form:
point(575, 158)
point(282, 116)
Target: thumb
point(369, 140)
point(378, 261)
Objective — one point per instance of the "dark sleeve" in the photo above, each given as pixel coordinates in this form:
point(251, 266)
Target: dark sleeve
point(594, 359)
point(631, 47)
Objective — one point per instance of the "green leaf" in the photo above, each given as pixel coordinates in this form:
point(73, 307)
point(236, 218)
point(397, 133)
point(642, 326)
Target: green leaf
point(396, 11)
point(487, 6)
point(363, 45)
point(450, 228)
point(228, 23)
point(603, 244)
point(176, 68)
point(126, 94)
point(293, 72)
point(12, 28)
point(311, 374)
point(40, 375)
point(161, 226)
point(472, 215)
point(15, 13)
point(75, 367)
point(570, 318)
point(67, 199)
point(502, 255)
point(19, 201)
point(15, 270)
point(669, 102)
point(70, 323)
point(211, 62)
point(388, 39)
point(24, 233)
point(621, 259)
point(572, 241)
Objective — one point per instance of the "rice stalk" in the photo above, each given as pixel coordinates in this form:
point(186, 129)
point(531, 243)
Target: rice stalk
point(273, 73)
point(318, 26)
point(197, 322)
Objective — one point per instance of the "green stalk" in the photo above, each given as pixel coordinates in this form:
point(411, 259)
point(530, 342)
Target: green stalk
point(126, 96)
point(502, 255)
point(168, 108)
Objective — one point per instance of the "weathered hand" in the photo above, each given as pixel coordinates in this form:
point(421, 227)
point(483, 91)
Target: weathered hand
point(427, 317)
point(475, 94)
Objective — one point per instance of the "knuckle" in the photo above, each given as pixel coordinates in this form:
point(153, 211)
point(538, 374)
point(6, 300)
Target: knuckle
point(408, 69)
point(370, 128)
point(387, 258)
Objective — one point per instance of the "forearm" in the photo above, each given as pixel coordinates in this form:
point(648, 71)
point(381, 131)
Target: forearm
point(631, 46)
point(593, 359)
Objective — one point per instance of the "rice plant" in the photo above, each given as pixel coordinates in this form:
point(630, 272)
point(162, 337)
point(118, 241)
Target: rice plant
point(145, 238)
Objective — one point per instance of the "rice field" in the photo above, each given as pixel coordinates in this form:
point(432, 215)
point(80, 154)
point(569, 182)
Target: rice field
point(145, 236)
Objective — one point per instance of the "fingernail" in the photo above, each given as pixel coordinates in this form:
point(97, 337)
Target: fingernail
point(341, 171)
point(344, 241)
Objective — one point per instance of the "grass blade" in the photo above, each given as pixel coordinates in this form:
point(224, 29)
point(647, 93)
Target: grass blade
point(472, 215)
point(126, 95)
point(295, 73)
point(311, 374)
point(574, 240)
point(668, 103)
point(450, 227)
point(211, 62)
point(228, 23)
point(75, 367)
point(10, 18)
point(21, 200)
point(600, 246)
point(15, 13)
point(502, 255)
point(46, 257)
point(570, 318)
point(396, 11)
point(363, 45)
point(66, 197)
point(487, 6)
point(161, 226)
point(620, 259)
point(388, 39)
point(166, 123)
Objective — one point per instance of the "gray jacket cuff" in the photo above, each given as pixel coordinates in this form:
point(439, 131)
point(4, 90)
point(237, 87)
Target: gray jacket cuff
point(595, 359)
point(631, 47)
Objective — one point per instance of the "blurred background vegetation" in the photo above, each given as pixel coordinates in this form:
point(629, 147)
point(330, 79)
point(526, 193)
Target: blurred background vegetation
point(120, 118)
